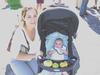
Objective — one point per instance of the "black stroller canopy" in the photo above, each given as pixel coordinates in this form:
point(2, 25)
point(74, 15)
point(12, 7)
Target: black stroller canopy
point(58, 19)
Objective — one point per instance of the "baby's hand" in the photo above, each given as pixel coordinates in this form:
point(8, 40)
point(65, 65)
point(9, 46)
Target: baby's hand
point(65, 52)
point(50, 52)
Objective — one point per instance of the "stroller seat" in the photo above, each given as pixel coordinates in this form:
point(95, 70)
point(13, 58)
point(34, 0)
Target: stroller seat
point(50, 40)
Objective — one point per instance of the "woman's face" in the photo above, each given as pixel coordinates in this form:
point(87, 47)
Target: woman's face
point(31, 18)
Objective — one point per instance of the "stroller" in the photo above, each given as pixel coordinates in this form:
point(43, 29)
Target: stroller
point(62, 22)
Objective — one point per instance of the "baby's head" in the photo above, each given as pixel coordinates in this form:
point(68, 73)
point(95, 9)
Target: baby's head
point(58, 43)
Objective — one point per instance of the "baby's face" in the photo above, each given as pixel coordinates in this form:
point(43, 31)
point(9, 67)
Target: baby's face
point(58, 44)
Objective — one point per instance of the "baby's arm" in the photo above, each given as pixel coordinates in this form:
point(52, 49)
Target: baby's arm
point(65, 51)
point(50, 52)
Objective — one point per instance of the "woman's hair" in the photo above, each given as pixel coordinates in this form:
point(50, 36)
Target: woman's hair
point(24, 11)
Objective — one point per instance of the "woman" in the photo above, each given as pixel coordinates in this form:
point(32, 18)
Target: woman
point(25, 44)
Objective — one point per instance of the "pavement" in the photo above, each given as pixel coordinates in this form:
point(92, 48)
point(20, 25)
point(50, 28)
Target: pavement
point(87, 41)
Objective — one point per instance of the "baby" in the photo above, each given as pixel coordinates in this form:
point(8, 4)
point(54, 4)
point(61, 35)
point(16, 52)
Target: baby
point(59, 51)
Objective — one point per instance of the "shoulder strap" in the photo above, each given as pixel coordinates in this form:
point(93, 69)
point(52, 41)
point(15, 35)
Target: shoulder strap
point(9, 44)
point(26, 39)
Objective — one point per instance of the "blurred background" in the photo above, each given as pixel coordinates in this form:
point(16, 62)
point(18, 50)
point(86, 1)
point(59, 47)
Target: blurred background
point(87, 41)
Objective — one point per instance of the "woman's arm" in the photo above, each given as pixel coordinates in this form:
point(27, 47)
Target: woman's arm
point(25, 57)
